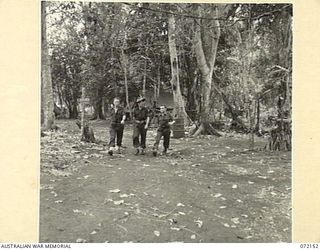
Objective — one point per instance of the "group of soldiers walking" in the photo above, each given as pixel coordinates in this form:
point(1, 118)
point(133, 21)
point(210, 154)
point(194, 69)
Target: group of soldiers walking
point(141, 121)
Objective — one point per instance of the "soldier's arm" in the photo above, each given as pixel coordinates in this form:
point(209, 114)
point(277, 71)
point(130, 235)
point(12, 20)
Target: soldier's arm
point(123, 118)
point(148, 120)
point(134, 116)
point(171, 121)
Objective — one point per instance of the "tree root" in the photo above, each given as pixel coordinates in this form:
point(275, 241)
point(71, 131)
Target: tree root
point(205, 128)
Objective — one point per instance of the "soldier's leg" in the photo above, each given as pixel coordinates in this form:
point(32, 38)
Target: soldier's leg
point(135, 137)
point(166, 140)
point(112, 133)
point(143, 133)
point(156, 144)
point(119, 136)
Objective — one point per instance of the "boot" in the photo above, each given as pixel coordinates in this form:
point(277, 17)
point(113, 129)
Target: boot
point(142, 151)
point(154, 152)
point(118, 150)
point(110, 151)
point(137, 151)
point(164, 152)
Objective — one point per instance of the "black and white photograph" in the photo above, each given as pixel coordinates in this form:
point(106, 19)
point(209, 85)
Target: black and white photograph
point(165, 122)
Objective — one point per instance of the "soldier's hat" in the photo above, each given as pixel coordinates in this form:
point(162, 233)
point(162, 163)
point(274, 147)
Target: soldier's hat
point(140, 99)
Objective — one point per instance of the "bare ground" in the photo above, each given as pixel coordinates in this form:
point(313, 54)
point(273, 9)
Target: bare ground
point(206, 190)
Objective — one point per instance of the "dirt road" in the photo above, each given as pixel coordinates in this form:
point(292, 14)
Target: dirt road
point(206, 190)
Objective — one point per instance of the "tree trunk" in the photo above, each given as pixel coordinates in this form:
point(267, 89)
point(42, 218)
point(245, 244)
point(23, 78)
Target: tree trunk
point(124, 66)
point(47, 102)
point(83, 95)
point(144, 79)
point(98, 104)
point(252, 116)
point(257, 128)
point(73, 110)
point(205, 45)
point(179, 108)
point(159, 85)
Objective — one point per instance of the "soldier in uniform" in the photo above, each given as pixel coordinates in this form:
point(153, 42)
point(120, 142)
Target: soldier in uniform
point(118, 118)
point(141, 121)
point(165, 120)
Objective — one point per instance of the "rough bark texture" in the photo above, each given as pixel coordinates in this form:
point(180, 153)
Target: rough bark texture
point(83, 95)
point(88, 135)
point(98, 104)
point(125, 74)
point(280, 137)
point(144, 78)
point(47, 103)
point(175, 84)
point(205, 46)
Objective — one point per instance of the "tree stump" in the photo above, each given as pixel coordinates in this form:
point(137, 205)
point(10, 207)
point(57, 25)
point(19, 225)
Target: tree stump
point(88, 135)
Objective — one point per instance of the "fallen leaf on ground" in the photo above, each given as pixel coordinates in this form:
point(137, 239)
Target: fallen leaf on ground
point(193, 236)
point(196, 165)
point(235, 220)
point(114, 190)
point(81, 241)
point(124, 195)
point(118, 202)
point(180, 205)
point(54, 193)
point(86, 176)
point(226, 225)
point(156, 233)
point(262, 177)
point(46, 187)
point(250, 182)
point(217, 195)
point(182, 213)
point(93, 232)
point(173, 221)
point(199, 223)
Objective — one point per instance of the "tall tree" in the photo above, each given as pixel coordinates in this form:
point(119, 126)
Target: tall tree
point(47, 102)
point(206, 39)
point(175, 83)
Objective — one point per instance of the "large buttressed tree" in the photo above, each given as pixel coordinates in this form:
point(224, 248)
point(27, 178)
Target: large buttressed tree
point(207, 31)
